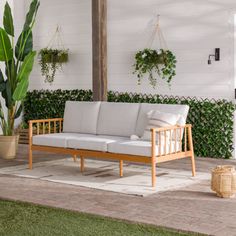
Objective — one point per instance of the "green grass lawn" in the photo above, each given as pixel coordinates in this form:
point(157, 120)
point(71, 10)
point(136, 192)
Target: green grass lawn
point(23, 219)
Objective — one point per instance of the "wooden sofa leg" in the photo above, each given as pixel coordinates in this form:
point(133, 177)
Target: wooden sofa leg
point(153, 174)
point(82, 164)
point(153, 136)
point(30, 146)
point(193, 165)
point(190, 140)
point(121, 168)
point(30, 158)
point(75, 158)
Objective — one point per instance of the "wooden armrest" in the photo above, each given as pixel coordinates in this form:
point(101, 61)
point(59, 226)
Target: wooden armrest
point(45, 120)
point(179, 134)
point(44, 126)
point(173, 127)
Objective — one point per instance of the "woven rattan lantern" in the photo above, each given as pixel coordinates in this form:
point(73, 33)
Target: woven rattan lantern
point(223, 181)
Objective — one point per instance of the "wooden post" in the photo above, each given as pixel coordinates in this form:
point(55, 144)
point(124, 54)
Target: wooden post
point(99, 35)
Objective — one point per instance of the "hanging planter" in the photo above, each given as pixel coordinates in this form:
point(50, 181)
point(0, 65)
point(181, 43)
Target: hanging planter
point(53, 57)
point(155, 63)
point(50, 61)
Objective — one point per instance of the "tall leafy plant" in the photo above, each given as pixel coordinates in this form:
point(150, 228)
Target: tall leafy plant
point(18, 60)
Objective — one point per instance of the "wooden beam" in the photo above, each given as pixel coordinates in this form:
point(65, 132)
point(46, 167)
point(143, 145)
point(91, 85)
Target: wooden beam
point(99, 39)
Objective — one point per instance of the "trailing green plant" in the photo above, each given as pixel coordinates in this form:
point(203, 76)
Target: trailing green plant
point(18, 60)
point(212, 120)
point(155, 63)
point(50, 61)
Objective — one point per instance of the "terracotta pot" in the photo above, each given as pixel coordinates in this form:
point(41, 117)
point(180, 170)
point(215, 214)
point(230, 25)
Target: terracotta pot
point(8, 146)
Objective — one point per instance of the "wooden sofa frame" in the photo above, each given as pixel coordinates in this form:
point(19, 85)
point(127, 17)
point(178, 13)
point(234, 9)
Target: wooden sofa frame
point(186, 146)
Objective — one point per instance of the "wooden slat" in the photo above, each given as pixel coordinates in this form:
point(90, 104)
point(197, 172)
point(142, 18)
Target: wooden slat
point(185, 139)
point(165, 142)
point(159, 144)
point(60, 126)
point(180, 139)
point(175, 140)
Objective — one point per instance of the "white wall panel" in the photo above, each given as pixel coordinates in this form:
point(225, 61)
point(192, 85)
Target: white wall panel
point(192, 29)
point(74, 19)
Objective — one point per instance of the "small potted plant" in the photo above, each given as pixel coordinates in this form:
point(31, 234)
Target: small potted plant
point(155, 63)
point(50, 61)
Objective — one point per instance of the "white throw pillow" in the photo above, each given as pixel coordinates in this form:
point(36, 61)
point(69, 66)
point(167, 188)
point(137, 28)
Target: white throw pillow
point(157, 119)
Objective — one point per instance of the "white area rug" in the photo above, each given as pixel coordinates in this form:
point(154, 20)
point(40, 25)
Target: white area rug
point(104, 175)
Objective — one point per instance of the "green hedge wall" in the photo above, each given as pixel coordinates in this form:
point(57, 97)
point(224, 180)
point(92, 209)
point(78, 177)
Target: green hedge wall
point(212, 120)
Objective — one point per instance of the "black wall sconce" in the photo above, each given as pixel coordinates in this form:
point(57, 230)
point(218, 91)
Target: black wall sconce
point(216, 56)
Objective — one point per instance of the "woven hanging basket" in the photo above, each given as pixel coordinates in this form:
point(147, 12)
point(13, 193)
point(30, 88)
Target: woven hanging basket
point(223, 181)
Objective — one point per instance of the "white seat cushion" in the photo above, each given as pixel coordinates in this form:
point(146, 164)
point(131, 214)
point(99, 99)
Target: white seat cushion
point(54, 140)
point(81, 117)
point(92, 142)
point(117, 119)
point(139, 148)
point(142, 121)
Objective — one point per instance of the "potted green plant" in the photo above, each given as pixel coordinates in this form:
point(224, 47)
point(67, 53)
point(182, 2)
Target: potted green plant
point(155, 63)
point(14, 80)
point(50, 61)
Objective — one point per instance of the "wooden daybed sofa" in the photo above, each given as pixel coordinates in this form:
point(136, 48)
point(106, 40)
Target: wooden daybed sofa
point(103, 130)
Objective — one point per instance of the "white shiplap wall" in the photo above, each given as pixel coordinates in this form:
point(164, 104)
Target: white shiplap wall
point(74, 19)
point(192, 29)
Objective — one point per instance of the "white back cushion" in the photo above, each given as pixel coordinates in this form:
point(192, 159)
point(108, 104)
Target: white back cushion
point(142, 121)
point(81, 117)
point(117, 118)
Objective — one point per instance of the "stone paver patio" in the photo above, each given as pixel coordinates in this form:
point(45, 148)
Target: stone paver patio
point(194, 208)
